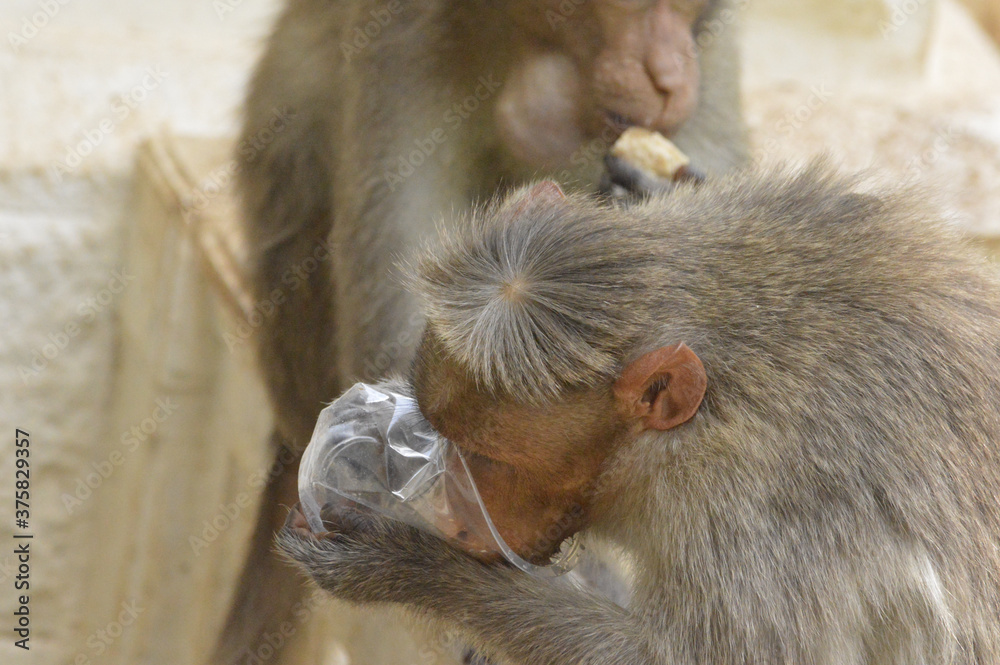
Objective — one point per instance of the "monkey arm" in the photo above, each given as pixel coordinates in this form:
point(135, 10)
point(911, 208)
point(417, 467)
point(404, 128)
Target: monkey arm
point(506, 613)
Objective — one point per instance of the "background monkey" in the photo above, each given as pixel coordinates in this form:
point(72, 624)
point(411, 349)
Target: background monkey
point(777, 392)
point(396, 112)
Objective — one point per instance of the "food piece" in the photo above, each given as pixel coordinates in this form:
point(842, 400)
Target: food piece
point(650, 152)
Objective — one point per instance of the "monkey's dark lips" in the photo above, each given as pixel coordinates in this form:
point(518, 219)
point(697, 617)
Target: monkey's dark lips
point(618, 121)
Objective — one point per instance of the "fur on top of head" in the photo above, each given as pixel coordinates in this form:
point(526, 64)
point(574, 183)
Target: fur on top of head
point(532, 297)
point(534, 294)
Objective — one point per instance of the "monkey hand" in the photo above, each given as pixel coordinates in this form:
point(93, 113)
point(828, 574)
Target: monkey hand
point(625, 182)
point(368, 558)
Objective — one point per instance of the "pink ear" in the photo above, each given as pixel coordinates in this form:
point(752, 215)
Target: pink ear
point(663, 388)
point(544, 193)
point(547, 191)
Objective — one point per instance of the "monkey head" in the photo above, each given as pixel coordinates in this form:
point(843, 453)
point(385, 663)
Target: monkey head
point(525, 392)
point(535, 465)
point(532, 374)
point(590, 69)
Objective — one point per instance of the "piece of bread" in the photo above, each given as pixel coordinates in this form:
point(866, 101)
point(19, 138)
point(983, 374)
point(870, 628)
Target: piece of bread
point(650, 152)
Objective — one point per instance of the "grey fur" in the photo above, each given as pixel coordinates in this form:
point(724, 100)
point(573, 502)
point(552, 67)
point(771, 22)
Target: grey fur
point(323, 180)
point(834, 501)
point(323, 183)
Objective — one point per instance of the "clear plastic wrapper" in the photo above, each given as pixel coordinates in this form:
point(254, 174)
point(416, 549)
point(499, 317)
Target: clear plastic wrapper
point(373, 447)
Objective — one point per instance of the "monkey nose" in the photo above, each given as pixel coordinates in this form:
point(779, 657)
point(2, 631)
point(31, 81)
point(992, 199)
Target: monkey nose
point(677, 107)
point(665, 79)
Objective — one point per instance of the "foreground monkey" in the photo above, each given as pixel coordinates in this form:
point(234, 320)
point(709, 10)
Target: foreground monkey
point(777, 393)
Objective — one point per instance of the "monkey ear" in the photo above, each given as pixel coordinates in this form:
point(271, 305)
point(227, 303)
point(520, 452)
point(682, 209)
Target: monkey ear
point(547, 191)
point(663, 388)
point(544, 193)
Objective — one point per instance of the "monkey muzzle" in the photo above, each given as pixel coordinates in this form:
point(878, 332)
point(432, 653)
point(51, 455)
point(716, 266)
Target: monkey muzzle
point(373, 449)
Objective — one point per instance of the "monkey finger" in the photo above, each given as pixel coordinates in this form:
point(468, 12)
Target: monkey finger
point(345, 516)
point(337, 519)
point(623, 180)
point(620, 172)
point(297, 524)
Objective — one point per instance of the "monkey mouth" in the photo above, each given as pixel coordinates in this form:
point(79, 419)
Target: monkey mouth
point(614, 124)
point(618, 122)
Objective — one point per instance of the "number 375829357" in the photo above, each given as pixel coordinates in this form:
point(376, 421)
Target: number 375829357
point(22, 478)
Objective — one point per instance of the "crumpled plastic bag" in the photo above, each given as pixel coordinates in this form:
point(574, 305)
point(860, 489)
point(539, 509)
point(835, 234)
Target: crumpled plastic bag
point(373, 447)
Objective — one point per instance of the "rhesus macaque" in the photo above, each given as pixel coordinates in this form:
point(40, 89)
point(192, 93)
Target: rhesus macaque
point(777, 392)
point(367, 120)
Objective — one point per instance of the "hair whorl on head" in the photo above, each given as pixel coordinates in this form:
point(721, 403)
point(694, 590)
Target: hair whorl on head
point(535, 300)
